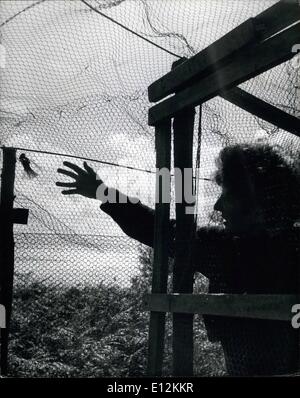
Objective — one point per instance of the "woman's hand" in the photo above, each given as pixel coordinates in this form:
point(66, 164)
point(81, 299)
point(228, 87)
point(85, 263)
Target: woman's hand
point(86, 180)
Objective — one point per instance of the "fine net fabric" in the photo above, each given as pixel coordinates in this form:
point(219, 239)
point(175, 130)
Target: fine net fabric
point(75, 83)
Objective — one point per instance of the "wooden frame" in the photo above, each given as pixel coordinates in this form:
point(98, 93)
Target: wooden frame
point(252, 48)
point(8, 216)
point(244, 65)
point(258, 306)
point(183, 129)
point(254, 30)
point(263, 110)
point(160, 263)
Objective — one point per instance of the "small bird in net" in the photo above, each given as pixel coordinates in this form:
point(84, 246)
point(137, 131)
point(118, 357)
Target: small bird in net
point(27, 167)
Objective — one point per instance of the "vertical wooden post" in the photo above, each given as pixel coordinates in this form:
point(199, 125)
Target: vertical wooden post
point(6, 246)
point(183, 127)
point(297, 114)
point(297, 88)
point(161, 239)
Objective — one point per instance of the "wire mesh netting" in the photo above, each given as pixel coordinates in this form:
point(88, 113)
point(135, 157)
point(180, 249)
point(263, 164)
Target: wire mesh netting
point(75, 84)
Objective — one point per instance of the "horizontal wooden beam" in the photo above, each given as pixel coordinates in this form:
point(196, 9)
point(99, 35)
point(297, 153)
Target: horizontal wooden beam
point(15, 216)
point(20, 216)
point(258, 306)
point(244, 65)
point(277, 17)
point(263, 110)
point(203, 61)
point(254, 30)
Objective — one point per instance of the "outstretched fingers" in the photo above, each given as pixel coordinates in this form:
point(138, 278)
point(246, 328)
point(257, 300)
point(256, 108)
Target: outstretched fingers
point(67, 173)
point(88, 168)
point(92, 172)
point(73, 167)
point(86, 180)
point(66, 184)
point(70, 192)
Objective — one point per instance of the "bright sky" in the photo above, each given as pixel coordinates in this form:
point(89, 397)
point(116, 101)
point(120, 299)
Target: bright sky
point(76, 83)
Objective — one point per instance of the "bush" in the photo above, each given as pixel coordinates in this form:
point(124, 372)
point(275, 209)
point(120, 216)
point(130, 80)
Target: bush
point(93, 331)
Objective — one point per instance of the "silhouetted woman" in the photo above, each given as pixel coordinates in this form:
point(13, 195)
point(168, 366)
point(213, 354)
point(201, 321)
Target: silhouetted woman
point(256, 251)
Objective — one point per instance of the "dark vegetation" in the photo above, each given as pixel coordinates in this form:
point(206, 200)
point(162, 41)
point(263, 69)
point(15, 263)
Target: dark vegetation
point(92, 331)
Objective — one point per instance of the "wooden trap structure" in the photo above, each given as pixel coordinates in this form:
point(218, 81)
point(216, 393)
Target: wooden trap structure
point(252, 48)
point(8, 217)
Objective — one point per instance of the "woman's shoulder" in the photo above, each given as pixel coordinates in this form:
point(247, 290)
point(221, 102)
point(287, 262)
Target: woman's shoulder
point(218, 233)
point(286, 235)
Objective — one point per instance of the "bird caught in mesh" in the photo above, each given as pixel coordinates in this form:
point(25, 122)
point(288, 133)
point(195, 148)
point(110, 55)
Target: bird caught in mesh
point(27, 167)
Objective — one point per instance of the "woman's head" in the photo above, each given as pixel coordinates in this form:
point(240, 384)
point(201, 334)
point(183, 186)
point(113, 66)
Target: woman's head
point(260, 188)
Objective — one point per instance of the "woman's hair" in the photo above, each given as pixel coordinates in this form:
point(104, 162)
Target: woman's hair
point(269, 172)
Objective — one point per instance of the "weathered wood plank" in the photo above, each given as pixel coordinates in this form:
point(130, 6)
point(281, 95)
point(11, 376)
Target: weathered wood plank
point(201, 62)
point(254, 30)
point(6, 247)
point(245, 65)
point(277, 17)
point(160, 264)
point(183, 128)
point(260, 306)
point(20, 216)
point(17, 216)
point(263, 110)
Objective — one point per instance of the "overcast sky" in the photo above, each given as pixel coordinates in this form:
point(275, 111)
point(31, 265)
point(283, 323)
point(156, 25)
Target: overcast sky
point(76, 83)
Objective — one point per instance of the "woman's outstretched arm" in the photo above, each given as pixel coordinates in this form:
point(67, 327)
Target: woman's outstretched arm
point(134, 218)
point(137, 220)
